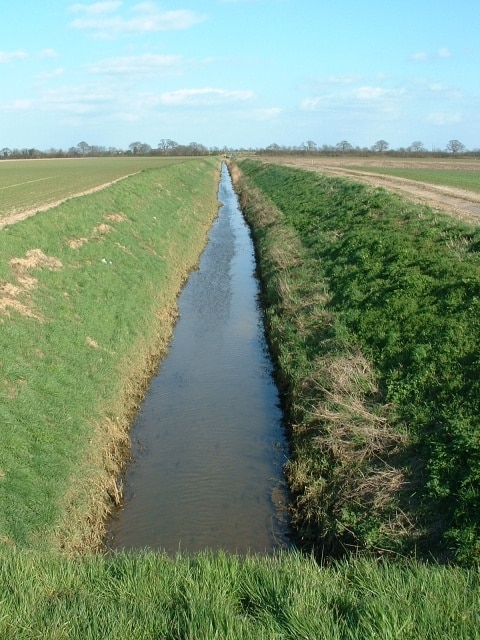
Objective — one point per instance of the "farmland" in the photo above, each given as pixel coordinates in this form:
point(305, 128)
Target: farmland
point(27, 186)
point(87, 301)
point(457, 178)
point(451, 185)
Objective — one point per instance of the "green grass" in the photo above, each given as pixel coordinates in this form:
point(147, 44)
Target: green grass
point(375, 323)
point(460, 179)
point(76, 343)
point(150, 596)
point(27, 184)
point(87, 300)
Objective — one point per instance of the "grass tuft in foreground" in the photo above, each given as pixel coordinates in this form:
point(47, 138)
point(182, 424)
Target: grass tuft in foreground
point(151, 596)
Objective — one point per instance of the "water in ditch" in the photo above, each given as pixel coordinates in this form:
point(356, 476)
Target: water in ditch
point(208, 443)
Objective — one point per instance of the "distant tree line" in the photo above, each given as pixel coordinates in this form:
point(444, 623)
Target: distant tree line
point(417, 148)
point(83, 149)
point(167, 147)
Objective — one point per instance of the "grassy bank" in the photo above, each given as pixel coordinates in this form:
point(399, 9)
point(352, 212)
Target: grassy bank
point(87, 296)
point(87, 302)
point(208, 597)
point(373, 308)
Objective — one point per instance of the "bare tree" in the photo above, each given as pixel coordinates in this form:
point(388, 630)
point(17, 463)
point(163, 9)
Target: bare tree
point(273, 148)
point(309, 146)
point(380, 146)
point(416, 146)
point(344, 146)
point(455, 146)
point(83, 147)
point(165, 145)
point(139, 148)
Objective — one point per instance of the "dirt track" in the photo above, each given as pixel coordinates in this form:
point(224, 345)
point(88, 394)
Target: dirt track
point(458, 202)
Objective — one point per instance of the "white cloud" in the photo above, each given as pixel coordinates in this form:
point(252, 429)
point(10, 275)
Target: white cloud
point(106, 101)
point(78, 100)
point(103, 20)
point(205, 96)
point(420, 56)
point(442, 119)
point(423, 56)
point(146, 64)
point(344, 79)
point(9, 56)
point(370, 93)
point(17, 105)
point(443, 53)
point(96, 9)
point(360, 97)
point(271, 112)
point(49, 75)
point(312, 104)
point(48, 53)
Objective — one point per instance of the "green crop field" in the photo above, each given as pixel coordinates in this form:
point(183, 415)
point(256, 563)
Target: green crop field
point(460, 179)
point(31, 184)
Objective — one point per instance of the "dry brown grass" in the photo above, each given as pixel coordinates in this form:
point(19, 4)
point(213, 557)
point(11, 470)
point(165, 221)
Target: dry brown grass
point(76, 243)
point(116, 217)
point(102, 229)
point(351, 430)
point(17, 297)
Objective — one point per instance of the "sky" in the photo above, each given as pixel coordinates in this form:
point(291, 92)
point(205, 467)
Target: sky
point(239, 73)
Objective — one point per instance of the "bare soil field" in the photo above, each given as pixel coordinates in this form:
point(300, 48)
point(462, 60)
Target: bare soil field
point(458, 202)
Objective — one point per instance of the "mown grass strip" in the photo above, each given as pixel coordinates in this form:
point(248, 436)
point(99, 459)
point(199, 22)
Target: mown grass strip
point(151, 596)
point(375, 321)
point(460, 179)
point(87, 302)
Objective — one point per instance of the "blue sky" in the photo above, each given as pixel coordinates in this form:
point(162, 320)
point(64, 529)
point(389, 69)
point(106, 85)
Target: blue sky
point(239, 73)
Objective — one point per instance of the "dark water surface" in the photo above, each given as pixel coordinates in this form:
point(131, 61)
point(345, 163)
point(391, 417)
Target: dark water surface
point(208, 442)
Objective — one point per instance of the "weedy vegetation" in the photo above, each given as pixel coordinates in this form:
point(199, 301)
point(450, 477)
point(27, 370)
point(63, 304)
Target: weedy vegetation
point(373, 307)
